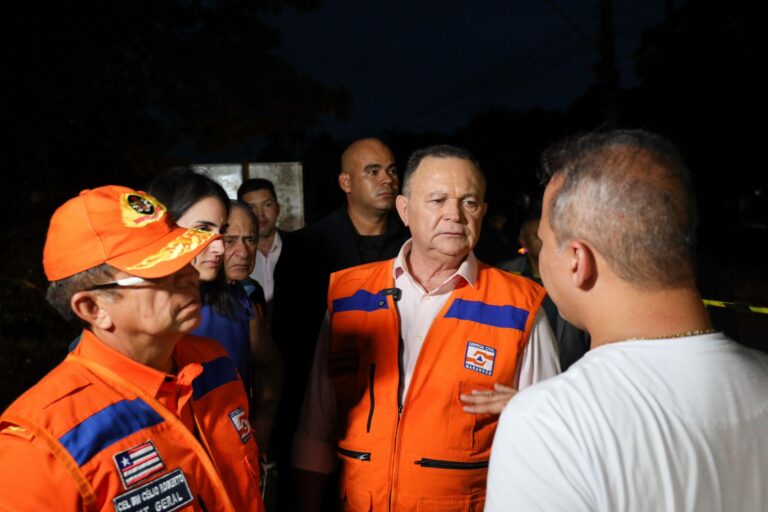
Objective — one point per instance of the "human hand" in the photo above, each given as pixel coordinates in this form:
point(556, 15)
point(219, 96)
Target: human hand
point(488, 401)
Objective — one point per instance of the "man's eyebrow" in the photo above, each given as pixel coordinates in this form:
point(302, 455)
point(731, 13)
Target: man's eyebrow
point(372, 167)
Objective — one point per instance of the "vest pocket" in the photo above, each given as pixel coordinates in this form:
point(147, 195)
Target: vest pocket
point(468, 431)
point(471, 503)
point(352, 454)
point(356, 499)
point(451, 464)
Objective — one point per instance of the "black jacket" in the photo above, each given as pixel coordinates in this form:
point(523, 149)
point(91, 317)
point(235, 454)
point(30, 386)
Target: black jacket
point(308, 258)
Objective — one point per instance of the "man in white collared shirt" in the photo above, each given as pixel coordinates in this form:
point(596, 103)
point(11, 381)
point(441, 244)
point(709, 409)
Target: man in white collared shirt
point(259, 194)
point(469, 335)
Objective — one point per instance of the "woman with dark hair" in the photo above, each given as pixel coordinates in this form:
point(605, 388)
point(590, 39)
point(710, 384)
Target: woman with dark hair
point(196, 201)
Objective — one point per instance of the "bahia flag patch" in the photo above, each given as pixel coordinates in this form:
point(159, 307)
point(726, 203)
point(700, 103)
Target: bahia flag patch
point(479, 358)
point(240, 421)
point(138, 463)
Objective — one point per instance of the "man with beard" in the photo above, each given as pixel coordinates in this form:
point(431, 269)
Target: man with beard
point(663, 412)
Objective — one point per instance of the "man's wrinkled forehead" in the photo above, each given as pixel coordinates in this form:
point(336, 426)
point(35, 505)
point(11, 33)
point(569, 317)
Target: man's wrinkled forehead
point(435, 173)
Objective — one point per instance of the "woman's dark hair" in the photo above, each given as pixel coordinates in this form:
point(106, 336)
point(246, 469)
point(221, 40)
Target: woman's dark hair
point(179, 189)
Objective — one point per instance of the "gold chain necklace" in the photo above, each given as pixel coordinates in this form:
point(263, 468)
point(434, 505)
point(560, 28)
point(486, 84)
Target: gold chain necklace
point(697, 332)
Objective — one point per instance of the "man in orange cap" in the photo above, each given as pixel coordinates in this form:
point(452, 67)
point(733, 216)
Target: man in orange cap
point(140, 416)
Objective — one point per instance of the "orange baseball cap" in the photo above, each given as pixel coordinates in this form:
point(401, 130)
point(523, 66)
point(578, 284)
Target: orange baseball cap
point(128, 229)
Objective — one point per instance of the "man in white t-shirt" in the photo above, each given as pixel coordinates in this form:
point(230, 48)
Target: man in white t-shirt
point(663, 413)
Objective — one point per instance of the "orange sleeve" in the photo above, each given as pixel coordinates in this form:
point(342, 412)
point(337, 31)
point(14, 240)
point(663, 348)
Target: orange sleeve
point(32, 478)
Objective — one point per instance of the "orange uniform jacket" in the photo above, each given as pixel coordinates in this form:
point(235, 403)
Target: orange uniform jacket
point(421, 451)
point(125, 451)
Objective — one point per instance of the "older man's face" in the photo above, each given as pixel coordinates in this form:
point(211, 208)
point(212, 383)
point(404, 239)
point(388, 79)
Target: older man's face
point(240, 244)
point(445, 208)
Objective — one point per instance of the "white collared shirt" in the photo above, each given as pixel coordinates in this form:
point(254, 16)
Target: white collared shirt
point(418, 308)
point(264, 270)
point(314, 443)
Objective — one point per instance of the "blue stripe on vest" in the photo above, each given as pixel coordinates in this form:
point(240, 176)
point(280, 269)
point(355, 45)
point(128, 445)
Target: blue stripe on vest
point(215, 373)
point(508, 317)
point(107, 427)
point(360, 301)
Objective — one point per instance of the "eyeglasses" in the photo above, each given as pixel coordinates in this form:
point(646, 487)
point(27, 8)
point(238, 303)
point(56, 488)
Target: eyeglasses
point(127, 281)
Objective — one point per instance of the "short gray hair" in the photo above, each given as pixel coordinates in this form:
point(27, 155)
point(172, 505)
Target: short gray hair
point(59, 293)
point(438, 151)
point(628, 193)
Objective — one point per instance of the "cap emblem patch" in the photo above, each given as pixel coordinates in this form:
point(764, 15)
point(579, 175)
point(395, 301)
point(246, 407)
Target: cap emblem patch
point(138, 210)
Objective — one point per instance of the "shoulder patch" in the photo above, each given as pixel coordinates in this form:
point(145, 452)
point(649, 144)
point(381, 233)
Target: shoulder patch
point(138, 463)
point(16, 431)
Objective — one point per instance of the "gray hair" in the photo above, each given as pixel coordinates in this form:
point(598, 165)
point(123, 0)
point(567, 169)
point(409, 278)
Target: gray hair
point(59, 293)
point(237, 204)
point(628, 193)
point(437, 151)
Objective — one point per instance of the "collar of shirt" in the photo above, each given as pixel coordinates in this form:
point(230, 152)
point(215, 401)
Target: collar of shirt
point(467, 271)
point(277, 243)
point(154, 382)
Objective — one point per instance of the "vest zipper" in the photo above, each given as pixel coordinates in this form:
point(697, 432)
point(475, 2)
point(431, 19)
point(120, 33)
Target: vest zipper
point(400, 389)
point(400, 369)
point(352, 454)
point(450, 464)
point(372, 397)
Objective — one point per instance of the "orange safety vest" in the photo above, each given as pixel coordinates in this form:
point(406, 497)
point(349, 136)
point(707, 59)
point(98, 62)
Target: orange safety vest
point(126, 451)
point(421, 451)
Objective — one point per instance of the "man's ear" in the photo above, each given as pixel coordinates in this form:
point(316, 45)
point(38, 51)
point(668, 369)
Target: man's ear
point(345, 182)
point(401, 203)
point(88, 307)
point(583, 265)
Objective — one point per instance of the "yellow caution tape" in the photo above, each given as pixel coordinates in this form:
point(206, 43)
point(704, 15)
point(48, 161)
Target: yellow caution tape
point(737, 306)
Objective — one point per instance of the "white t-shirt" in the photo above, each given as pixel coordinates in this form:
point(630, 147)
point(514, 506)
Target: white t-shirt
point(650, 425)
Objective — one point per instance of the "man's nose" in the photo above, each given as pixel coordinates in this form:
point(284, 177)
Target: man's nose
point(387, 178)
point(239, 249)
point(453, 210)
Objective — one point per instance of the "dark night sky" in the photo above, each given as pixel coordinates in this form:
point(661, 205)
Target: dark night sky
point(429, 65)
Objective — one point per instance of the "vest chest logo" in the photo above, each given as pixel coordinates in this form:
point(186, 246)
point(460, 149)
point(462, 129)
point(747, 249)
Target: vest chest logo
point(240, 421)
point(138, 463)
point(479, 358)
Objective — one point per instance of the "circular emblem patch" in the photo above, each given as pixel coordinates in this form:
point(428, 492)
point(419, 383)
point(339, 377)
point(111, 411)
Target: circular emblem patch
point(139, 209)
point(140, 204)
